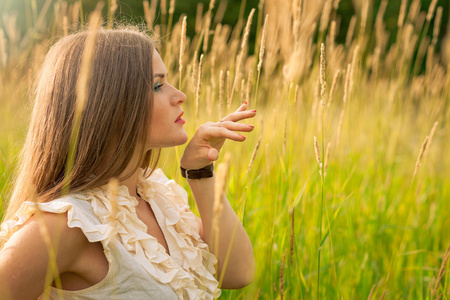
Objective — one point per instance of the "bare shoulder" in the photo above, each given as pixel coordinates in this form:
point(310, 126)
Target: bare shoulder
point(44, 240)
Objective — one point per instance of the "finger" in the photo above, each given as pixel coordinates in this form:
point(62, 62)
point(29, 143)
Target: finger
point(221, 132)
point(235, 126)
point(240, 115)
point(213, 154)
point(242, 107)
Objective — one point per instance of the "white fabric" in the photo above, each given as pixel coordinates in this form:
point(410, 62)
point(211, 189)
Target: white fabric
point(139, 267)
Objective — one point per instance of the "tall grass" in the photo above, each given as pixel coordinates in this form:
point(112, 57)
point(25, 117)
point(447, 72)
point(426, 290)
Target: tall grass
point(385, 227)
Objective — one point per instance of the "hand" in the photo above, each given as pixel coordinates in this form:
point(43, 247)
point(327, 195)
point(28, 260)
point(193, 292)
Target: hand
point(209, 138)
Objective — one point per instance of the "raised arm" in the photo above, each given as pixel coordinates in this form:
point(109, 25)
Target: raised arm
point(25, 261)
point(201, 150)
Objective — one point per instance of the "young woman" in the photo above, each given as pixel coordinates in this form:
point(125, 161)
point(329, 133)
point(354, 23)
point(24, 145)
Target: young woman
point(117, 228)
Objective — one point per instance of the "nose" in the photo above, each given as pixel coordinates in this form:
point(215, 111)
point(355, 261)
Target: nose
point(179, 97)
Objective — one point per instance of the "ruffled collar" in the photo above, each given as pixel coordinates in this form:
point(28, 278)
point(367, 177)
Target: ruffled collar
point(189, 268)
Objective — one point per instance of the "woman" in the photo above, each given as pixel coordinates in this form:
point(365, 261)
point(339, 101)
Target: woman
point(118, 228)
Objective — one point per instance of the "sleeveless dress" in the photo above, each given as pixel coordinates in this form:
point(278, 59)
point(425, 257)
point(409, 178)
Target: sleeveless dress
point(139, 267)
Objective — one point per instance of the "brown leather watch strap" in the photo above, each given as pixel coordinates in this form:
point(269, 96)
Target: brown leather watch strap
point(205, 172)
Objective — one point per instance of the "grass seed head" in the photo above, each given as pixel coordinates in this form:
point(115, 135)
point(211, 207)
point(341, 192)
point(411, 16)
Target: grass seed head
point(263, 44)
point(316, 148)
point(182, 42)
point(431, 9)
point(333, 86)
point(419, 158)
point(323, 82)
point(437, 25)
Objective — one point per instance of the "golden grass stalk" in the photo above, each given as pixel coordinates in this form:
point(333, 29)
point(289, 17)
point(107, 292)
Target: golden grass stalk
point(325, 17)
point(65, 25)
point(295, 98)
point(255, 151)
point(207, 26)
point(199, 18)
point(286, 123)
point(221, 93)
point(242, 90)
point(344, 100)
point(350, 31)
point(292, 238)
point(364, 14)
point(163, 8)
point(332, 36)
point(263, 44)
point(242, 52)
point(440, 275)
point(82, 90)
point(431, 9)
point(379, 25)
point(402, 14)
point(261, 56)
point(333, 87)
point(52, 246)
point(347, 83)
point(221, 176)
point(430, 58)
point(352, 73)
point(437, 25)
point(3, 54)
point(430, 137)
point(149, 13)
point(371, 292)
point(281, 284)
point(169, 24)
point(111, 11)
point(199, 88)
point(228, 90)
point(336, 4)
point(323, 82)
point(316, 148)
point(194, 74)
point(75, 15)
point(414, 10)
point(113, 188)
point(182, 48)
point(327, 156)
point(419, 158)
point(248, 86)
point(341, 121)
point(316, 98)
point(383, 295)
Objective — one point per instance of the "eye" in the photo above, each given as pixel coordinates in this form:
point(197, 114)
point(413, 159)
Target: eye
point(157, 86)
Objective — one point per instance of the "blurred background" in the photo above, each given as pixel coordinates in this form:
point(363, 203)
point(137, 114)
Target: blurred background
point(225, 12)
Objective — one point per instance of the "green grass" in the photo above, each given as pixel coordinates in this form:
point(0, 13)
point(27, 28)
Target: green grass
point(379, 227)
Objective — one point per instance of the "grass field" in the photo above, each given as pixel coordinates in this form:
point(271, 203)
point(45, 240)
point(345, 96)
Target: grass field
point(365, 212)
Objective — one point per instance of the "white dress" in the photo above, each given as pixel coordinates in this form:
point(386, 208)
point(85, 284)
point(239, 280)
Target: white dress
point(139, 267)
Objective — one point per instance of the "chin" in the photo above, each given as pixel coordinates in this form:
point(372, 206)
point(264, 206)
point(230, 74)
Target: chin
point(184, 139)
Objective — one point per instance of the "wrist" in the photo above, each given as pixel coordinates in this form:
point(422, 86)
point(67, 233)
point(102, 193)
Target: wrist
point(205, 172)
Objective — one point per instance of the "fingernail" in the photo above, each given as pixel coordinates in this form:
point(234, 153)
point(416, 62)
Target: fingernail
point(242, 136)
point(252, 126)
point(254, 110)
point(245, 103)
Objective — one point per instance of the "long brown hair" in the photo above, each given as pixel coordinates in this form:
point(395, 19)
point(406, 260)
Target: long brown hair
point(114, 123)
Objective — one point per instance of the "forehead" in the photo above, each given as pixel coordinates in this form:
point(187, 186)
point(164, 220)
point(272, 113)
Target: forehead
point(157, 63)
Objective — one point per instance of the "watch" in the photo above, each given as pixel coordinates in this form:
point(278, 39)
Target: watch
point(205, 172)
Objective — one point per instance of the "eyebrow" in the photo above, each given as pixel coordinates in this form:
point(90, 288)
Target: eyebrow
point(160, 75)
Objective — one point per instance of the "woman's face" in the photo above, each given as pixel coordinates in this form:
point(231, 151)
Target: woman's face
point(166, 127)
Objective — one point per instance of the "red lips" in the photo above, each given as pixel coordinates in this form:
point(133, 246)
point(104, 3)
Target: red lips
point(179, 116)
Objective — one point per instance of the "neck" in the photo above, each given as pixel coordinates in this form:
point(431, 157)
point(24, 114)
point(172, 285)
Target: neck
point(131, 184)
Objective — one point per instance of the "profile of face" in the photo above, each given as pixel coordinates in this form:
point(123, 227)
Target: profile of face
point(166, 127)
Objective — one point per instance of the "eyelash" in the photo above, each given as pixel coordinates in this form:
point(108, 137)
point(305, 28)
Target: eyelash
point(157, 87)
